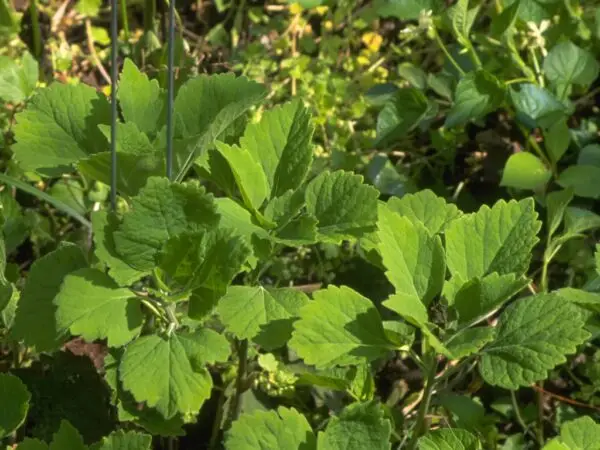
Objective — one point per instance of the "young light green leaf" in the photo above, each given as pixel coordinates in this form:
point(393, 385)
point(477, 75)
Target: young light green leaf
point(583, 180)
point(578, 220)
point(477, 94)
point(268, 430)
point(567, 64)
point(17, 81)
point(344, 206)
point(160, 211)
point(524, 170)
point(581, 433)
point(15, 403)
point(534, 335)
point(556, 204)
point(481, 296)
point(414, 259)
point(400, 115)
point(67, 436)
point(536, 106)
point(449, 439)
point(204, 346)
point(157, 371)
point(59, 127)
point(90, 304)
point(281, 143)
point(124, 440)
point(340, 327)
point(248, 174)
point(358, 427)
point(462, 19)
point(142, 100)
point(103, 226)
point(470, 341)
point(245, 310)
point(497, 239)
point(35, 322)
point(427, 208)
point(208, 259)
point(557, 139)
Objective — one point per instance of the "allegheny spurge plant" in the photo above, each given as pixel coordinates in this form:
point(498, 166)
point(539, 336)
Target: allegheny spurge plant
point(174, 288)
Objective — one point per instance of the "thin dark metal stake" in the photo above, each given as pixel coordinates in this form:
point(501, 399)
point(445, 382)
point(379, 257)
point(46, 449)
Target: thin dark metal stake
point(113, 99)
point(170, 87)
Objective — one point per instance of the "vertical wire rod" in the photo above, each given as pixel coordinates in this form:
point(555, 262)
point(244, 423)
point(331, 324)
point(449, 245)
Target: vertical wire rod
point(113, 102)
point(170, 87)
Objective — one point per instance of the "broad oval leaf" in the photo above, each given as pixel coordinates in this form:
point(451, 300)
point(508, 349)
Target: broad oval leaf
point(15, 403)
point(449, 439)
point(534, 335)
point(90, 304)
point(567, 63)
point(401, 114)
point(339, 327)
point(536, 107)
point(582, 179)
point(525, 171)
point(17, 81)
point(124, 440)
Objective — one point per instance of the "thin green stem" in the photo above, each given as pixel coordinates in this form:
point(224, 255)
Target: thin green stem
point(516, 57)
point(517, 80)
point(442, 46)
point(421, 421)
point(35, 29)
point(517, 411)
point(214, 435)
point(240, 381)
point(124, 19)
point(153, 309)
point(149, 14)
point(536, 66)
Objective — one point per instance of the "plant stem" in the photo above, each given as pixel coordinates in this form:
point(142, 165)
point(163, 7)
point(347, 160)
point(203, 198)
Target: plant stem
point(124, 20)
point(446, 52)
point(149, 14)
point(517, 411)
point(235, 406)
point(214, 436)
point(35, 28)
point(421, 423)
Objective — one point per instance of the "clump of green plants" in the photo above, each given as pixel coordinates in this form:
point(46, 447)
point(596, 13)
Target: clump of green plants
point(172, 282)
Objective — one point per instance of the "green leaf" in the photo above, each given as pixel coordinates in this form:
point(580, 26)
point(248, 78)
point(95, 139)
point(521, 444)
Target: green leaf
point(35, 323)
point(536, 107)
point(524, 170)
point(533, 337)
point(15, 403)
point(406, 9)
point(245, 311)
point(67, 436)
point(568, 64)
point(344, 206)
point(142, 100)
point(449, 439)
point(481, 296)
point(504, 22)
point(589, 155)
point(59, 127)
point(578, 220)
point(597, 258)
point(462, 19)
point(470, 341)
point(104, 225)
point(267, 430)
point(556, 204)
point(340, 327)
point(359, 426)
point(17, 82)
point(413, 258)
point(89, 8)
point(90, 304)
point(207, 259)
point(157, 371)
point(122, 440)
point(413, 74)
point(557, 139)
point(160, 211)
point(248, 174)
point(400, 115)
point(477, 94)
point(137, 160)
point(281, 144)
point(427, 208)
point(205, 346)
point(206, 106)
point(581, 433)
point(497, 239)
point(583, 180)
point(32, 444)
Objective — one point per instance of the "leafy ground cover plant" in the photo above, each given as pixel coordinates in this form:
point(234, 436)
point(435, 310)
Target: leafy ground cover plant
point(482, 335)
